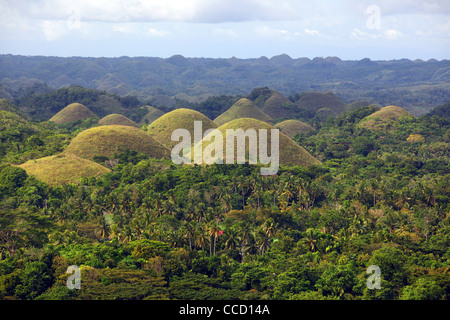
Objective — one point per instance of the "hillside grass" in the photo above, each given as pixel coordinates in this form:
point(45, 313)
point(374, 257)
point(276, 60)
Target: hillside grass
point(384, 119)
point(151, 115)
point(314, 101)
point(161, 129)
point(116, 119)
point(278, 106)
point(243, 108)
point(73, 112)
point(290, 153)
point(108, 140)
point(63, 168)
point(292, 127)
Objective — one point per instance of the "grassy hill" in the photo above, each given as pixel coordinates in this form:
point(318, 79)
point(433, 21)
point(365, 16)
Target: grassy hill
point(161, 129)
point(292, 127)
point(73, 112)
point(64, 168)
point(243, 108)
point(151, 115)
point(108, 140)
point(385, 118)
point(314, 101)
point(290, 152)
point(116, 119)
point(278, 106)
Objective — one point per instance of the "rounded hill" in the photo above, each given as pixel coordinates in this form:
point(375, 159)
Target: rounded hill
point(105, 141)
point(278, 106)
point(161, 129)
point(73, 112)
point(313, 101)
point(63, 169)
point(292, 127)
point(151, 115)
point(243, 108)
point(116, 119)
point(290, 153)
point(384, 119)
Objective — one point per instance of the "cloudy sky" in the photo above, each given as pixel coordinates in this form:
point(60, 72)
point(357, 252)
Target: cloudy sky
point(351, 29)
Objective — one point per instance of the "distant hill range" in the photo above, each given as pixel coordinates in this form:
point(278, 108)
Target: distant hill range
point(417, 86)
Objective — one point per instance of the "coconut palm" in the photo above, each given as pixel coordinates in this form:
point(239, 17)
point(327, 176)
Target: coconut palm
point(213, 231)
point(309, 240)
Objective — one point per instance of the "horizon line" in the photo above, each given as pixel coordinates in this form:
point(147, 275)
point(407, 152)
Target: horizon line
point(220, 58)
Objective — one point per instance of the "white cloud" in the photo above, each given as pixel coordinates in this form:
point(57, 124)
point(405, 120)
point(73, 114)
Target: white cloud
point(54, 30)
point(312, 32)
point(390, 34)
point(157, 32)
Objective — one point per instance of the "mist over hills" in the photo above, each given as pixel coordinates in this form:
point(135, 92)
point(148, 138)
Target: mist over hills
point(418, 86)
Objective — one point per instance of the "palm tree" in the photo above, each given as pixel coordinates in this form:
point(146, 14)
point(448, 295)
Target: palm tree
point(309, 240)
point(201, 239)
point(262, 240)
point(189, 231)
point(213, 231)
point(232, 238)
point(102, 228)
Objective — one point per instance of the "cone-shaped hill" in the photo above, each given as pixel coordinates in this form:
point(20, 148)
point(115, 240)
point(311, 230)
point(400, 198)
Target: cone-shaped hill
point(161, 129)
point(290, 153)
point(63, 169)
point(384, 119)
point(243, 108)
point(108, 140)
point(151, 115)
point(278, 106)
point(73, 112)
point(292, 127)
point(313, 101)
point(116, 119)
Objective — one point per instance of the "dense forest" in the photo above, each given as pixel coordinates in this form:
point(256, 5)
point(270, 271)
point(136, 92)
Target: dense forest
point(150, 229)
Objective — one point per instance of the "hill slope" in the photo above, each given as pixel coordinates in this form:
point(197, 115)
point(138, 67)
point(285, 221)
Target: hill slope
point(73, 112)
point(292, 127)
point(278, 106)
point(384, 119)
point(314, 101)
point(116, 119)
point(290, 153)
point(108, 140)
point(243, 108)
point(151, 115)
point(63, 168)
point(161, 129)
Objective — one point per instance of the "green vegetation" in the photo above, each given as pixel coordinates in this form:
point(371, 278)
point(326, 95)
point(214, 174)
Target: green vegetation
point(243, 108)
point(415, 85)
point(141, 227)
point(106, 141)
point(73, 112)
point(116, 119)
